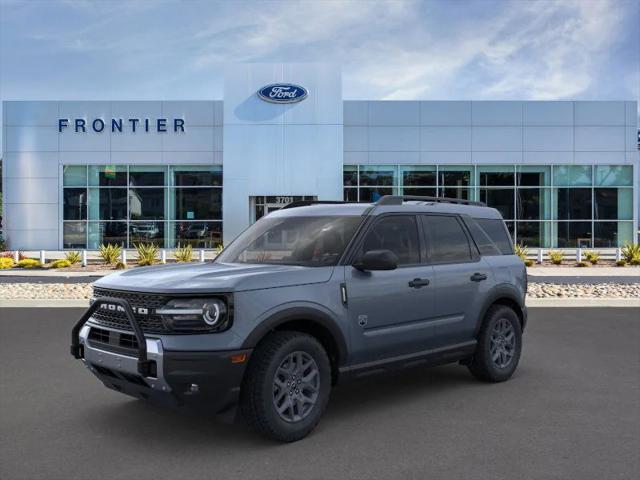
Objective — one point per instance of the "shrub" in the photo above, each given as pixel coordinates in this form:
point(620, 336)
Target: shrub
point(120, 266)
point(592, 257)
point(631, 252)
point(110, 253)
point(184, 253)
point(583, 263)
point(21, 256)
point(73, 257)
point(556, 256)
point(147, 254)
point(528, 262)
point(29, 263)
point(61, 263)
point(6, 263)
point(218, 249)
point(621, 263)
point(522, 251)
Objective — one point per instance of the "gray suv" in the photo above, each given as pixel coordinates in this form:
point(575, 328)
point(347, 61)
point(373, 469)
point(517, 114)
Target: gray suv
point(307, 297)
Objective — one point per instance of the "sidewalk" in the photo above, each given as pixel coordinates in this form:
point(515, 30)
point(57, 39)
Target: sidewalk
point(584, 272)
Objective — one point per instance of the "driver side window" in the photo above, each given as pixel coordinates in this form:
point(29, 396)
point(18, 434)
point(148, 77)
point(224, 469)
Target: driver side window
point(397, 233)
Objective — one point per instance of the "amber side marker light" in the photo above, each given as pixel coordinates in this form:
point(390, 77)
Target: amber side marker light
point(239, 358)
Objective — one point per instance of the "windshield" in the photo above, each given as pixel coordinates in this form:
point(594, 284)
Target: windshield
point(304, 241)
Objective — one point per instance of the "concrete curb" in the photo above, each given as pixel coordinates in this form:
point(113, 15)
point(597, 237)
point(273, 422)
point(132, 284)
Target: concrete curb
point(573, 302)
point(44, 303)
point(531, 303)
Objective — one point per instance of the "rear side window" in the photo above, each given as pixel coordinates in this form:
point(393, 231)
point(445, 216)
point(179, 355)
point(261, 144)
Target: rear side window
point(447, 241)
point(397, 233)
point(484, 243)
point(497, 232)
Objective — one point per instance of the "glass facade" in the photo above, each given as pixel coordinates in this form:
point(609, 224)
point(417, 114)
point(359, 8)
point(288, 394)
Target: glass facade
point(132, 204)
point(546, 206)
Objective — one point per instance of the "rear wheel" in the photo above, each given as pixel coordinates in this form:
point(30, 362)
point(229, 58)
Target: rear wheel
point(287, 386)
point(499, 345)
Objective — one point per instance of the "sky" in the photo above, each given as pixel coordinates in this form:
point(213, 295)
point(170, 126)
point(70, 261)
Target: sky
point(451, 49)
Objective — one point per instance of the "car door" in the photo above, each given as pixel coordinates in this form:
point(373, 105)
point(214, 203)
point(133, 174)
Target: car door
point(461, 277)
point(389, 310)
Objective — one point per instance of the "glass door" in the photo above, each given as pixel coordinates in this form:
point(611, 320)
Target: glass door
point(263, 204)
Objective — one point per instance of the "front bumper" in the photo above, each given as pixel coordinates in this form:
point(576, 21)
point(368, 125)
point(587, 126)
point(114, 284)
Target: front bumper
point(142, 368)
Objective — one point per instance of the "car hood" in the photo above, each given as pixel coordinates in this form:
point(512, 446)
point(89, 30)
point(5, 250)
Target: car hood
point(212, 277)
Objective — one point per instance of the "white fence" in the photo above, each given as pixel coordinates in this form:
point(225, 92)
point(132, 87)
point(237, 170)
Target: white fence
point(574, 254)
point(126, 256)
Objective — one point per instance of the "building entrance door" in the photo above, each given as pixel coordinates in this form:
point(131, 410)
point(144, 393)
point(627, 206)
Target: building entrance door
point(263, 204)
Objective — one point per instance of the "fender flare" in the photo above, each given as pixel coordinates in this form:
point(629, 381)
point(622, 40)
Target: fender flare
point(501, 291)
point(309, 314)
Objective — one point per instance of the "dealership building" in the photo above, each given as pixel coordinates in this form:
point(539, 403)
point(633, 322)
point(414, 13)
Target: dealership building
point(81, 173)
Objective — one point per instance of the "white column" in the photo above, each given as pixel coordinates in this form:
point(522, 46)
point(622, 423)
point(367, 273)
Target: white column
point(16, 256)
point(42, 259)
point(201, 256)
point(163, 256)
point(84, 258)
point(540, 255)
point(618, 254)
point(578, 254)
point(123, 256)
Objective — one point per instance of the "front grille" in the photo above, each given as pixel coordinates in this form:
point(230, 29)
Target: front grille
point(113, 341)
point(150, 323)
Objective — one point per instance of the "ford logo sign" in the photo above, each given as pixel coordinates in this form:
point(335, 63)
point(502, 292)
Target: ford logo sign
point(283, 93)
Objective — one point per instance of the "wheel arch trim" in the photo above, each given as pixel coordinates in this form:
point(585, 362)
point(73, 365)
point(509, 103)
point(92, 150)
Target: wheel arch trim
point(304, 314)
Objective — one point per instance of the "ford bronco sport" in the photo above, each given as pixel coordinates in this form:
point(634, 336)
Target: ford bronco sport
point(307, 297)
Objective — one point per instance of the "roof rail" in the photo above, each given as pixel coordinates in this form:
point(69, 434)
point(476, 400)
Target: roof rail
point(399, 199)
point(306, 203)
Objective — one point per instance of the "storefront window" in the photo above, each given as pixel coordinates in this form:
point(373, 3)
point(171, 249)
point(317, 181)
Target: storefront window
point(455, 175)
point(350, 176)
point(533, 175)
point(533, 204)
point(573, 203)
point(614, 175)
point(74, 235)
point(196, 234)
point(74, 175)
point(75, 204)
point(147, 175)
point(146, 204)
point(196, 176)
point(574, 234)
point(108, 176)
point(572, 175)
point(496, 175)
point(107, 232)
point(129, 205)
point(501, 199)
point(418, 176)
point(613, 203)
point(196, 203)
point(384, 175)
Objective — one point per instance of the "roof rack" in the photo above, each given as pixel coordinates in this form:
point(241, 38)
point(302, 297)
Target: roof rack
point(306, 203)
point(398, 199)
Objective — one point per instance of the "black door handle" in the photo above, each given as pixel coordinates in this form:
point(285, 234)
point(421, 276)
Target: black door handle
point(478, 277)
point(419, 282)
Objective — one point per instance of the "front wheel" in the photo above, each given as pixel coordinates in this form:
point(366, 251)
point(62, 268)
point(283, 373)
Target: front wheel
point(287, 386)
point(499, 345)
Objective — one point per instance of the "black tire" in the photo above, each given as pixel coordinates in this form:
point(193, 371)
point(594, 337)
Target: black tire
point(258, 394)
point(484, 366)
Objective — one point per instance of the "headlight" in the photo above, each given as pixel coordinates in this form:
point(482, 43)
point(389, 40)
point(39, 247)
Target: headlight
point(195, 314)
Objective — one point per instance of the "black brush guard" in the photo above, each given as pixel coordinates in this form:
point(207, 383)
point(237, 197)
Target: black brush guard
point(144, 365)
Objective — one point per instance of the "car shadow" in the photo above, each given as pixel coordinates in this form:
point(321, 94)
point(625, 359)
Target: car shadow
point(363, 398)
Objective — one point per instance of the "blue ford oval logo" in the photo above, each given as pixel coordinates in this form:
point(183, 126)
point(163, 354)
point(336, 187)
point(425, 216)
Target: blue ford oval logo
point(283, 93)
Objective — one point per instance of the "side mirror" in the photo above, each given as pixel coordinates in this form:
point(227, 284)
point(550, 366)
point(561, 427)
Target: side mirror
point(377, 260)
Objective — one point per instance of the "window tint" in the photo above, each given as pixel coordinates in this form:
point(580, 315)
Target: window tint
point(398, 234)
point(494, 227)
point(482, 240)
point(448, 241)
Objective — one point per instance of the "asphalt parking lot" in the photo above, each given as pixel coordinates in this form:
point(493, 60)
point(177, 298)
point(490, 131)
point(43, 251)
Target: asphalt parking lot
point(572, 411)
